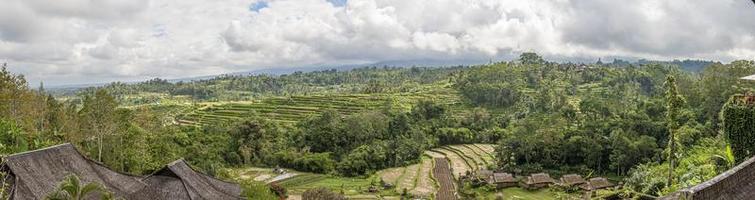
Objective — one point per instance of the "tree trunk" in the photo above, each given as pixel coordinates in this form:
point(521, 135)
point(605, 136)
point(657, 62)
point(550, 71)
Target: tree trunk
point(672, 149)
point(99, 151)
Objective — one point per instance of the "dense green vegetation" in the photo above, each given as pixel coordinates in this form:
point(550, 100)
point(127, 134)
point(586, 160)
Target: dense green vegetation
point(739, 116)
point(622, 120)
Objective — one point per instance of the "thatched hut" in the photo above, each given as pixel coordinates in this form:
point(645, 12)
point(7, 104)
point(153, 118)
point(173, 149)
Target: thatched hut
point(197, 185)
point(750, 77)
point(484, 174)
point(503, 180)
point(539, 180)
point(572, 180)
point(35, 174)
point(597, 183)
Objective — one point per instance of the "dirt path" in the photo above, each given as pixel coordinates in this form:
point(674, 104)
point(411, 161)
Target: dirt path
point(458, 164)
point(442, 173)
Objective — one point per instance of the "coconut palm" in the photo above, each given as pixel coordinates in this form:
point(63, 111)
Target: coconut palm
point(71, 189)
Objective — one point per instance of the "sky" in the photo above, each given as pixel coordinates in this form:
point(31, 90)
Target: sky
point(64, 42)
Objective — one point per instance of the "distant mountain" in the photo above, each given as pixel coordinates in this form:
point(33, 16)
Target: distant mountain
point(688, 65)
point(281, 71)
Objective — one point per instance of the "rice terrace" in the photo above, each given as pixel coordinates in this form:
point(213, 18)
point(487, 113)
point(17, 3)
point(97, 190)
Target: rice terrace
point(431, 177)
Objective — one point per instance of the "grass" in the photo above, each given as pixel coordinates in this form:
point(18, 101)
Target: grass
point(515, 193)
point(519, 193)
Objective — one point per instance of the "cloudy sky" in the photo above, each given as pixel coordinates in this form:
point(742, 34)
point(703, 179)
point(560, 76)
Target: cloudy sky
point(88, 41)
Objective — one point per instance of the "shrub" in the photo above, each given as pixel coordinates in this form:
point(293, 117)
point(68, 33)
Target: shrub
point(321, 194)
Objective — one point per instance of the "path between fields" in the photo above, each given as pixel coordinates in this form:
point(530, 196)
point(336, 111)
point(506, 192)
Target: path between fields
point(281, 177)
point(442, 173)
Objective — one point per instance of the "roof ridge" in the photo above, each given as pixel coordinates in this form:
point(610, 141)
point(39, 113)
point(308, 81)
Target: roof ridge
point(38, 150)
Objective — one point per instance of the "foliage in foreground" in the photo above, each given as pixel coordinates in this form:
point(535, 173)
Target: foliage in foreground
point(696, 164)
point(71, 188)
point(321, 194)
point(254, 190)
point(739, 117)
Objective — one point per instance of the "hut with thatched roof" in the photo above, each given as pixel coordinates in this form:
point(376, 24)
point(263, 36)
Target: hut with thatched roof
point(572, 180)
point(485, 175)
point(750, 77)
point(597, 183)
point(503, 180)
point(537, 181)
point(35, 174)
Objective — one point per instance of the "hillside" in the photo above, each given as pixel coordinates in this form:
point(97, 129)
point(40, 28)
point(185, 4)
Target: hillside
point(354, 127)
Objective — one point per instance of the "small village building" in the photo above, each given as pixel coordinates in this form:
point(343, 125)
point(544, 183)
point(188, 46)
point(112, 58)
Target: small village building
point(35, 174)
point(750, 77)
point(572, 180)
point(484, 175)
point(597, 183)
point(537, 181)
point(503, 180)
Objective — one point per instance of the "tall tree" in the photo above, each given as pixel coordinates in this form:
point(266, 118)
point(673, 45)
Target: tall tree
point(99, 117)
point(674, 106)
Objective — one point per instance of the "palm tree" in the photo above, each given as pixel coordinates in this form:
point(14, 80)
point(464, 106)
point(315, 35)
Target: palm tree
point(71, 189)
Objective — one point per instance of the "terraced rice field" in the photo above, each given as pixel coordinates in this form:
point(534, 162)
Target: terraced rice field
point(467, 157)
point(425, 186)
point(459, 165)
point(295, 108)
point(487, 157)
point(481, 158)
point(419, 180)
point(407, 180)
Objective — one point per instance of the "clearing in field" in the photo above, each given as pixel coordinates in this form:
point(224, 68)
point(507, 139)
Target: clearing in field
point(486, 158)
point(471, 156)
point(515, 193)
point(487, 148)
point(425, 185)
point(408, 179)
point(391, 175)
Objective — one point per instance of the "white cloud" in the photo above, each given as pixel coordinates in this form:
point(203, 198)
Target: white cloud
point(76, 41)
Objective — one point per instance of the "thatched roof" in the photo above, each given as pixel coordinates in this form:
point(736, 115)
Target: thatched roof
point(736, 183)
point(600, 183)
point(35, 174)
point(503, 178)
point(572, 179)
point(484, 174)
point(540, 178)
point(596, 184)
point(198, 185)
point(750, 77)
